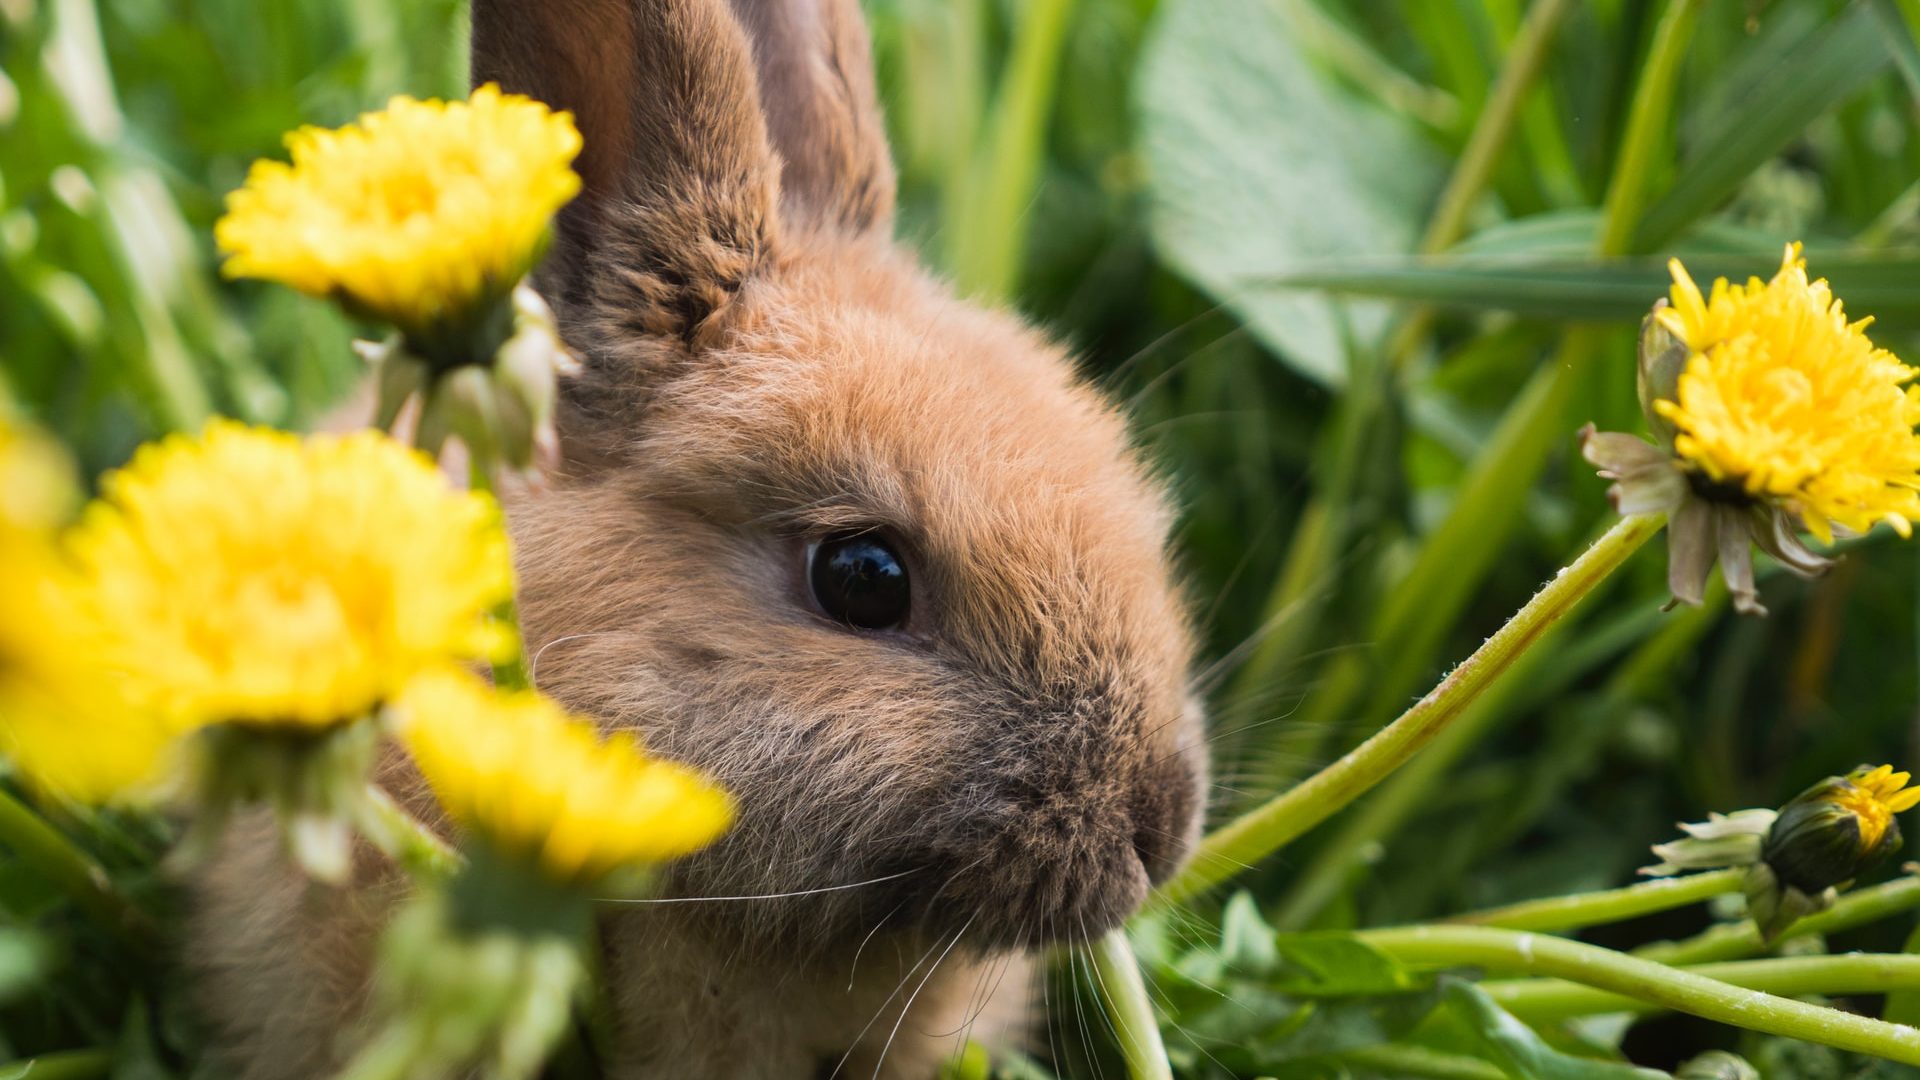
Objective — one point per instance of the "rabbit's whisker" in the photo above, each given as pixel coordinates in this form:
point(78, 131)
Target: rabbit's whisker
point(853, 971)
point(905, 978)
point(533, 663)
point(759, 896)
point(911, 998)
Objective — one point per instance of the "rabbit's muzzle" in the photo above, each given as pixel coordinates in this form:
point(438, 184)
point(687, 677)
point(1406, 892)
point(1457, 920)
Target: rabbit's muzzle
point(1064, 839)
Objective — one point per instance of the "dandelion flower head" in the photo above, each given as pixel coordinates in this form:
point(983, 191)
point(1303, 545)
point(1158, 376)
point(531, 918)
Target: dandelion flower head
point(422, 214)
point(61, 722)
point(257, 577)
point(536, 783)
point(1782, 399)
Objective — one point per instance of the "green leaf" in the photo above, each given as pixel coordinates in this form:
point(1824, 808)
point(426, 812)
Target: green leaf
point(1257, 163)
point(24, 959)
point(1871, 283)
point(1518, 1049)
point(1810, 80)
point(1330, 963)
point(1246, 939)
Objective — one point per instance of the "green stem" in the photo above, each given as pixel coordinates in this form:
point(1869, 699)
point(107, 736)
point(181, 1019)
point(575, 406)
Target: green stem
point(1494, 128)
point(1597, 908)
point(1643, 980)
point(1729, 941)
point(511, 672)
point(408, 840)
point(1317, 539)
point(1130, 1009)
point(1646, 126)
point(65, 1065)
point(1361, 835)
point(989, 234)
point(1267, 828)
point(1418, 1061)
point(1455, 557)
point(1540, 1000)
point(58, 860)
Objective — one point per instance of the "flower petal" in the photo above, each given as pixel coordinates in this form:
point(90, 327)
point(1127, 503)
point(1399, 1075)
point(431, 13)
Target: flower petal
point(1772, 529)
point(1734, 540)
point(1690, 550)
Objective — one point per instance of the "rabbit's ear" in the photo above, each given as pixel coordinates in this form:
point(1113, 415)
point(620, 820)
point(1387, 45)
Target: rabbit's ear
point(816, 88)
point(679, 183)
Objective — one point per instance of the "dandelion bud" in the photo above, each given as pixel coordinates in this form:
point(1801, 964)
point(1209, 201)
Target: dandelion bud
point(1799, 857)
point(1838, 829)
point(1662, 357)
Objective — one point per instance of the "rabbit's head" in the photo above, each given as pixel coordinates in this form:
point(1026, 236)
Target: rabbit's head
point(874, 557)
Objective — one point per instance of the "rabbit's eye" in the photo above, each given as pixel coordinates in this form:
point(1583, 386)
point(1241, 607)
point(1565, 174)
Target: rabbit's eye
point(860, 580)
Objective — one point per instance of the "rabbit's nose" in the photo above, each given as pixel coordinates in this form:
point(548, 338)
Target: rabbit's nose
point(1165, 817)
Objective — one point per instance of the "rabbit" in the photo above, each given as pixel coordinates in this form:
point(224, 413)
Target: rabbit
point(876, 558)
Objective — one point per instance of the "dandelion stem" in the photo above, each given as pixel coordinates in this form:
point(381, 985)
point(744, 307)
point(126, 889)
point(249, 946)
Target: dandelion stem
point(509, 673)
point(1597, 908)
point(1729, 941)
point(407, 839)
point(1679, 989)
point(1421, 1062)
point(1265, 829)
point(60, 861)
point(1131, 1011)
point(64, 1065)
point(1790, 976)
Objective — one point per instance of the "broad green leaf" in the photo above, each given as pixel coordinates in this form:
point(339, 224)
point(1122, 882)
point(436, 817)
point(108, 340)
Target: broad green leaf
point(1258, 164)
point(1518, 1050)
point(1329, 963)
point(1246, 939)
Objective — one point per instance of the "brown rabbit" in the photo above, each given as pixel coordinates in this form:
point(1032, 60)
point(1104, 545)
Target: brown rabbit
point(874, 557)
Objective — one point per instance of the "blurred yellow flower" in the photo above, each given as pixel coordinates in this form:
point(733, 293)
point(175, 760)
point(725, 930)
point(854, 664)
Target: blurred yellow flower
point(1781, 398)
point(425, 214)
point(536, 783)
point(62, 722)
point(251, 576)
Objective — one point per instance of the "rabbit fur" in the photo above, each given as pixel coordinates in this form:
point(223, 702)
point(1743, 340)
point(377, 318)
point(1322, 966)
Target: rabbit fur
point(921, 808)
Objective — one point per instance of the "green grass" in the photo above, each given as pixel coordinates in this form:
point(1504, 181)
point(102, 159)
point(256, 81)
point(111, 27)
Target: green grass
point(1359, 286)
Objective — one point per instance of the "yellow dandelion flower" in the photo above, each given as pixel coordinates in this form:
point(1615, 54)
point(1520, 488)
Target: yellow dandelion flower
point(1781, 398)
point(255, 577)
point(424, 215)
point(539, 784)
point(1770, 411)
point(62, 722)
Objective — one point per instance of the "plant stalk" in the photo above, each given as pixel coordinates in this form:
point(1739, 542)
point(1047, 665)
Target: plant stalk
point(1318, 539)
point(509, 672)
point(1679, 989)
point(1730, 941)
point(1267, 828)
point(1131, 1011)
point(1613, 905)
point(1418, 1061)
point(1791, 976)
point(60, 861)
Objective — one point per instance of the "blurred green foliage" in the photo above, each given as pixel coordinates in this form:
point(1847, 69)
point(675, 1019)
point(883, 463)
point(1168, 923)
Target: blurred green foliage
point(1221, 204)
